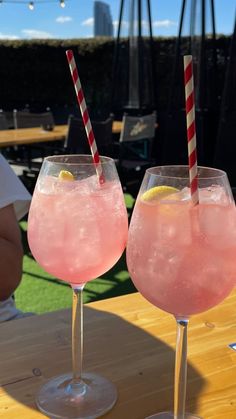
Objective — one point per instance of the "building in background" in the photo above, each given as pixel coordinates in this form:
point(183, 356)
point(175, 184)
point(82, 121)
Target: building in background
point(102, 19)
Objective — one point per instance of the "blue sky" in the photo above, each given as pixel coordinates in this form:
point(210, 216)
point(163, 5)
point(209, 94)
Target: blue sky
point(49, 20)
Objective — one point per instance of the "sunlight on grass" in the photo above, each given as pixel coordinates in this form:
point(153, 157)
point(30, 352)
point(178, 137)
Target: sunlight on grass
point(129, 201)
point(39, 292)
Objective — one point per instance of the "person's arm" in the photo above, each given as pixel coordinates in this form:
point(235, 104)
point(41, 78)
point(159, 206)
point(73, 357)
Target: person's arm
point(11, 252)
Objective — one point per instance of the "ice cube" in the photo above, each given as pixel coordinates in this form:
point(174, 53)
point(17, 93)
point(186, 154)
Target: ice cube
point(213, 194)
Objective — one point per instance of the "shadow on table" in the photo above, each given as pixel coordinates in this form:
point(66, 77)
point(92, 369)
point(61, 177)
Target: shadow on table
point(141, 366)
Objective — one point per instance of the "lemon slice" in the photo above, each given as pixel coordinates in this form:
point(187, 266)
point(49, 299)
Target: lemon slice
point(158, 193)
point(66, 175)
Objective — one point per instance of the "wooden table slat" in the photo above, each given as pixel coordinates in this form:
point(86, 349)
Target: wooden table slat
point(25, 136)
point(132, 343)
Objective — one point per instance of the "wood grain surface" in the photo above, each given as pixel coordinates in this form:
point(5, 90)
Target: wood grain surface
point(132, 343)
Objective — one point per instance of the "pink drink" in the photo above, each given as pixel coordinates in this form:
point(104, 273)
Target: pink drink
point(77, 230)
point(182, 257)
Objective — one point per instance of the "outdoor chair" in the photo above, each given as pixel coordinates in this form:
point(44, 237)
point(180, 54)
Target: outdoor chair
point(26, 119)
point(33, 154)
point(135, 148)
point(3, 120)
point(76, 140)
point(8, 152)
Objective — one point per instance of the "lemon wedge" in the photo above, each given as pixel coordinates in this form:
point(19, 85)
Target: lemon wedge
point(158, 192)
point(65, 175)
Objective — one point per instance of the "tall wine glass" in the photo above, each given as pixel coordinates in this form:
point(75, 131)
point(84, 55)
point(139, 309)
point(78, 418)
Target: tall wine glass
point(181, 257)
point(77, 230)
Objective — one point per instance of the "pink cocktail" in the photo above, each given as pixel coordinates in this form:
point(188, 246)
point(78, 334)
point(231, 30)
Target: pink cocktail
point(77, 231)
point(181, 256)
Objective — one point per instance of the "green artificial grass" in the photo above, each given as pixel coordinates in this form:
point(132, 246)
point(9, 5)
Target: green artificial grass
point(39, 292)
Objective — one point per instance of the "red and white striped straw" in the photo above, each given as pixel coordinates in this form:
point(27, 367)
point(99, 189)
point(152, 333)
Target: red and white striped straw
point(191, 128)
point(85, 115)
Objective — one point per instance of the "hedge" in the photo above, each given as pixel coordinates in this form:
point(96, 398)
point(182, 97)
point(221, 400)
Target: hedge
point(36, 73)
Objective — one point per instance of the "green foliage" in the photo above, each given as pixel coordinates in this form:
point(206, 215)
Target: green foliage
point(36, 72)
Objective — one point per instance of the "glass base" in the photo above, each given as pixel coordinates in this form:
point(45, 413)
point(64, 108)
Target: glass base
point(59, 399)
point(170, 415)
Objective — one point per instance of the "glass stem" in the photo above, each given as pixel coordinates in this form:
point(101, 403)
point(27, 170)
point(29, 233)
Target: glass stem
point(180, 368)
point(77, 334)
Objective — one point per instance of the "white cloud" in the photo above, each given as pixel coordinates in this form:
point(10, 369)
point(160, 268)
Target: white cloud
point(63, 19)
point(164, 23)
point(125, 23)
point(145, 24)
point(115, 23)
point(33, 33)
point(88, 22)
point(10, 37)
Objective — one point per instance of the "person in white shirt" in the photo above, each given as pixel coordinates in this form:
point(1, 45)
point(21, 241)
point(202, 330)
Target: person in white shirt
point(14, 204)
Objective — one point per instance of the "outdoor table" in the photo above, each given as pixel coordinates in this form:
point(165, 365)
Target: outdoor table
point(132, 343)
point(117, 127)
point(24, 136)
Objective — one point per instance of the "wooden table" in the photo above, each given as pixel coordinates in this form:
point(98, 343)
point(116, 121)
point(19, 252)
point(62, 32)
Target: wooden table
point(132, 343)
point(13, 137)
point(116, 127)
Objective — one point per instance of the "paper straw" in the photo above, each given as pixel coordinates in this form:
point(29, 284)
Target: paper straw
point(191, 128)
point(85, 115)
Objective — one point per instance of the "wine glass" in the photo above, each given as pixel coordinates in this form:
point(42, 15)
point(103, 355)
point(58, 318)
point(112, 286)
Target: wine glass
point(77, 230)
point(180, 256)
